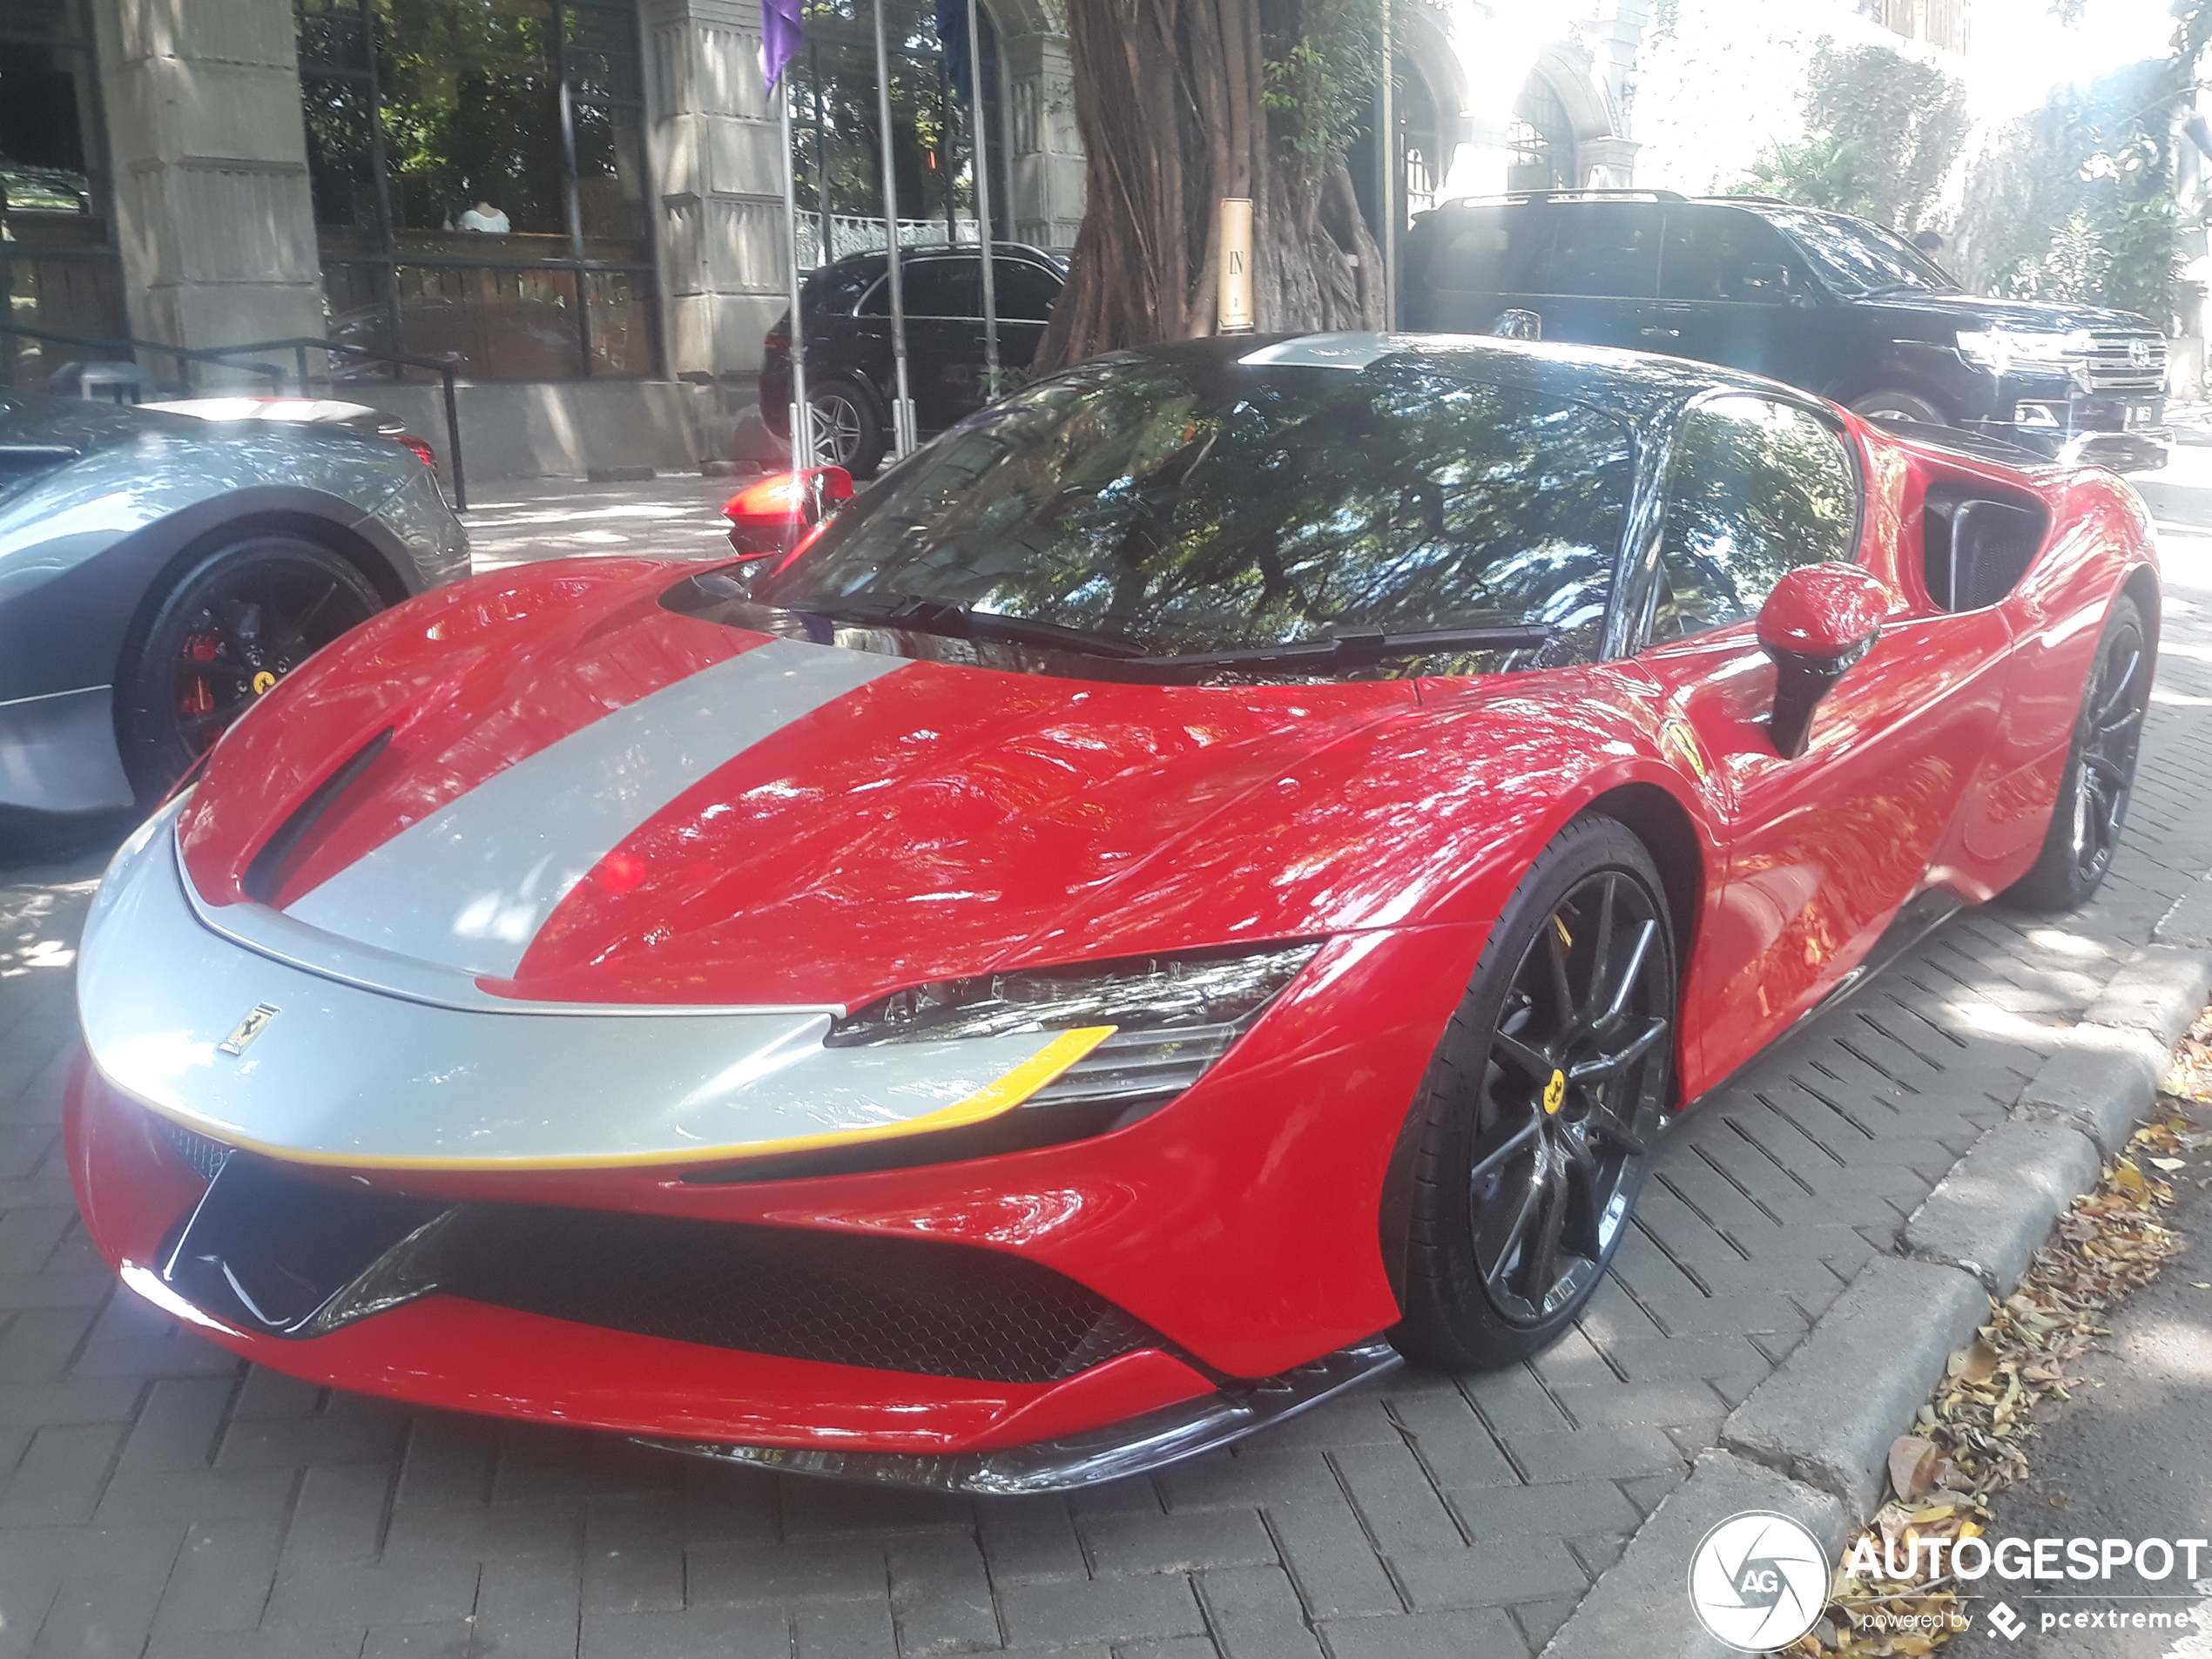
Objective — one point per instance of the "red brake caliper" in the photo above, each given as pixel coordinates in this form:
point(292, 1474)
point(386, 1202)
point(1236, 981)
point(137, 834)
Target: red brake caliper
point(200, 648)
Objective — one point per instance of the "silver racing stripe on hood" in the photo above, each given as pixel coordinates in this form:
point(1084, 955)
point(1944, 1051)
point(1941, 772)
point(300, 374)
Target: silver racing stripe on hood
point(468, 887)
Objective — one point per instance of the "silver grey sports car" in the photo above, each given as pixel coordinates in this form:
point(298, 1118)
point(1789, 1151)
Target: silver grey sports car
point(159, 571)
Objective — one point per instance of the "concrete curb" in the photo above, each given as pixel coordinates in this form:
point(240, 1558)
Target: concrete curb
point(1640, 1604)
point(1827, 1416)
point(1991, 1214)
point(1813, 1439)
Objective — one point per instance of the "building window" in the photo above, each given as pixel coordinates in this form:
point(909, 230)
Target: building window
point(838, 157)
point(1940, 23)
point(1420, 147)
point(59, 270)
point(479, 179)
point(1539, 140)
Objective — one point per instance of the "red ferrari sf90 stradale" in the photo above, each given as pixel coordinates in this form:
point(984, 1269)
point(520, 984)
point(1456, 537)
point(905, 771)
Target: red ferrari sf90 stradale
point(1212, 875)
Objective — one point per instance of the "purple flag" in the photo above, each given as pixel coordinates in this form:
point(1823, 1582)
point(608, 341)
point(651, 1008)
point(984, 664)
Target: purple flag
point(779, 36)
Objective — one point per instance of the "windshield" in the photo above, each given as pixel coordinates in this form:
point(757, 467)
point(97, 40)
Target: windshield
point(1166, 508)
point(1858, 257)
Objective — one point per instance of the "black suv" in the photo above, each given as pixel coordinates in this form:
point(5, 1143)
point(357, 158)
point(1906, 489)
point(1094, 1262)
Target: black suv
point(1822, 301)
point(849, 380)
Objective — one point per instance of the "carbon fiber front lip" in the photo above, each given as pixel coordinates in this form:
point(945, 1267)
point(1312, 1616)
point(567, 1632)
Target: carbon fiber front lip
point(1134, 1447)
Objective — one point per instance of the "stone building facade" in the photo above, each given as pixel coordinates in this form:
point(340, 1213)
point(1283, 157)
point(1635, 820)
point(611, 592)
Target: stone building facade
point(579, 202)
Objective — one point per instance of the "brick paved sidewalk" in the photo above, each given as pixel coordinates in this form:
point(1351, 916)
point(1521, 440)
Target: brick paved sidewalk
point(159, 1498)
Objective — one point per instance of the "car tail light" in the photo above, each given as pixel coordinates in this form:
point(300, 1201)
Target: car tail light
point(775, 514)
point(777, 342)
point(424, 452)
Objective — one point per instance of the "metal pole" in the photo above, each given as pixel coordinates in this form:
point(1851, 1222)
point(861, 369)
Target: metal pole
point(982, 199)
point(802, 414)
point(902, 408)
point(452, 440)
point(1387, 182)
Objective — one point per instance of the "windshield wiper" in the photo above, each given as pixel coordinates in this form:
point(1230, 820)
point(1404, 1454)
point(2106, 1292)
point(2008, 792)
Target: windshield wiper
point(1887, 289)
point(1359, 650)
point(963, 622)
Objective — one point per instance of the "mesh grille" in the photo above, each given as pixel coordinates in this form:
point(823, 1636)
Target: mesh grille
point(206, 1157)
point(898, 1304)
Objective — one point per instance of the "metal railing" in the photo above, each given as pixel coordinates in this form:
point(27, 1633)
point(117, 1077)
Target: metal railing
point(224, 356)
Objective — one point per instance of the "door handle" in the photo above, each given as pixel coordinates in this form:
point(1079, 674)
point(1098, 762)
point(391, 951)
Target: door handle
point(1662, 333)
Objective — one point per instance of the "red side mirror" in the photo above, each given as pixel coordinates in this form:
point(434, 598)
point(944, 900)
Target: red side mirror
point(1816, 624)
point(770, 516)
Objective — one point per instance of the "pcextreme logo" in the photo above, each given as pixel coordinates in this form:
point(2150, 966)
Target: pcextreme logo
point(1758, 1580)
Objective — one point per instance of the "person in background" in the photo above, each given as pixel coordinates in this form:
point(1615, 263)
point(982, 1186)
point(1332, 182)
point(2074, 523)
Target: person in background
point(484, 217)
point(1929, 242)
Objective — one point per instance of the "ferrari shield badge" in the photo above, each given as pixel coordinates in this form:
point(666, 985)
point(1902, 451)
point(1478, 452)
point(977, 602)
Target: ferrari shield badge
point(246, 1029)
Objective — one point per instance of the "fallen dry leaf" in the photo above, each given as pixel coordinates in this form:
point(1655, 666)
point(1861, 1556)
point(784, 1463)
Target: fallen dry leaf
point(1912, 1466)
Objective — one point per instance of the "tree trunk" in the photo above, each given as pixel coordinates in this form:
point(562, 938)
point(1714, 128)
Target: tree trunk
point(1168, 95)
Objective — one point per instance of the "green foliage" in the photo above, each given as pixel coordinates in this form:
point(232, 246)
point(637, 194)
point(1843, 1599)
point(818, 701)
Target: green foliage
point(2076, 200)
point(1322, 57)
point(1881, 130)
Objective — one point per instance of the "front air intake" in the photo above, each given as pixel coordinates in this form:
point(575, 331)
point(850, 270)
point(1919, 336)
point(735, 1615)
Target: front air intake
point(292, 1255)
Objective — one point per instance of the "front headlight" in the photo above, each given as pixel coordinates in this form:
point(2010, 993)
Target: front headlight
point(1173, 1016)
point(2005, 349)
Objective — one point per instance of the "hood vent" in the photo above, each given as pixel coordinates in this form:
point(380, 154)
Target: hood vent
point(264, 878)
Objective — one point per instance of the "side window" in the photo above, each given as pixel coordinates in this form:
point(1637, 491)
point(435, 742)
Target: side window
point(831, 291)
point(1489, 250)
point(1599, 249)
point(1755, 490)
point(944, 288)
point(1025, 291)
point(1724, 254)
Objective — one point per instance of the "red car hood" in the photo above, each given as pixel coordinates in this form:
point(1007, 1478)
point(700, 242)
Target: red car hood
point(585, 797)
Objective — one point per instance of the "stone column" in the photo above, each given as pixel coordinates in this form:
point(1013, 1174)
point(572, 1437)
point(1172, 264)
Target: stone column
point(717, 166)
point(1045, 151)
point(213, 212)
point(1613, 34)
point(1606, 162)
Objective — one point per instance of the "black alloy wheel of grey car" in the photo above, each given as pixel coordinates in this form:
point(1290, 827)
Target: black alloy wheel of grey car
point(2100, 776)
point(214, 640)
point(846, 432)
point(1540, 1113)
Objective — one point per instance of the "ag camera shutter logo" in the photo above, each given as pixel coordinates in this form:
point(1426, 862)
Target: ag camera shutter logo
point(1759, 1581)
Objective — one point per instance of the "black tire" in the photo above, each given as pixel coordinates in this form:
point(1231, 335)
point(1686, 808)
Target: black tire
point(1895, 403)
point(2100, 776)
point(1579, 974)
point(847, 431)
point(212, 641)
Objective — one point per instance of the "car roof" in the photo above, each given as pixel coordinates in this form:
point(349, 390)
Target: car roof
point(1634, 385)
point(876, 258)
point(1767, 207)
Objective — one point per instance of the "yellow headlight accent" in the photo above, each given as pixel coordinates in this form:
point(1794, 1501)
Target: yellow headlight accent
point(1002, 1094)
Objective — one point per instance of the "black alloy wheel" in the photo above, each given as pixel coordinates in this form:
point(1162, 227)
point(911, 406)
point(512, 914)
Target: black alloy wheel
point(237, 622)
point(1541, 1112)
point(846, 432)
point(2099, 777)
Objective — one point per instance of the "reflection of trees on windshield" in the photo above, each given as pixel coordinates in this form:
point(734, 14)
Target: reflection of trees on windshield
point(1754, 490)
point(1190, 509)
point(1858, 256)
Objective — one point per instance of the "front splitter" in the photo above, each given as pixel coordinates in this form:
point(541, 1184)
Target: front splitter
point(1136, 1446)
